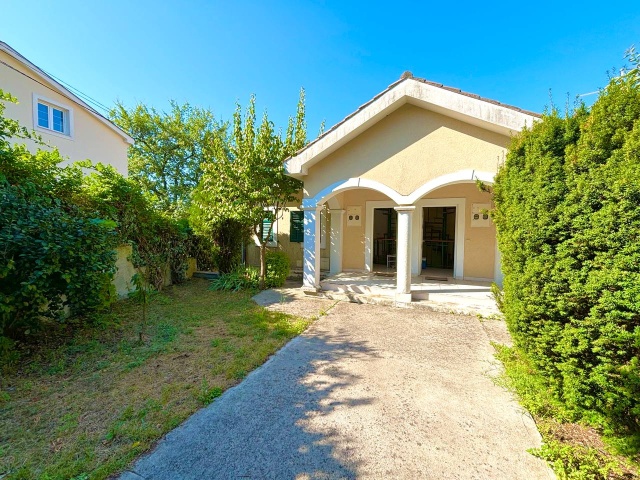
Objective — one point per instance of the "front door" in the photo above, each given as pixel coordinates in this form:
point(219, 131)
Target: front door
point(438, 238)
point(385, 221)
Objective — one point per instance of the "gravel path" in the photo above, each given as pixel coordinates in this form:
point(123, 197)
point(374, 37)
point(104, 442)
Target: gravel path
point(366, 392)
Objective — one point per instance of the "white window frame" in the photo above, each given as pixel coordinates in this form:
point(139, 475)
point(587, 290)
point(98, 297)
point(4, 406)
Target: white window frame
point(67, 112)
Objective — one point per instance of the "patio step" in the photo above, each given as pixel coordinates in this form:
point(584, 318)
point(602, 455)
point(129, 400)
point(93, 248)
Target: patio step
point(351, 288)
point(358, 298)
point(419, 300)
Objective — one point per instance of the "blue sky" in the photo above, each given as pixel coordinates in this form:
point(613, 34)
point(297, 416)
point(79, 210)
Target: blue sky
point(213, 54)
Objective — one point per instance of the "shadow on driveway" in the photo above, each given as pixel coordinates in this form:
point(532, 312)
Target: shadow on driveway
point(365, 392)
point(259, 429)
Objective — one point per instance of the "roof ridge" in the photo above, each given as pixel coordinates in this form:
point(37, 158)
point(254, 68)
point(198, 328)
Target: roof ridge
point(475, 95)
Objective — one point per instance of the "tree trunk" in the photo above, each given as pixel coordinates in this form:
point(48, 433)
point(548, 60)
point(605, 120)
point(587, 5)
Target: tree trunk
point(263, 265)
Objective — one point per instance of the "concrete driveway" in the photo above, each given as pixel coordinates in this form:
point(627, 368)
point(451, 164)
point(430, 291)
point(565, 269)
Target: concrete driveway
point(367, 392)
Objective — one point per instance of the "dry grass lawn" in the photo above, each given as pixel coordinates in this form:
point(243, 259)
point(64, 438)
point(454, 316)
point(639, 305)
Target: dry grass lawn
point(87, 406)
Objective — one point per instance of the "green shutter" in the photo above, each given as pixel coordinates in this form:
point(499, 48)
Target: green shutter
point(266, 225)
point(297, 226)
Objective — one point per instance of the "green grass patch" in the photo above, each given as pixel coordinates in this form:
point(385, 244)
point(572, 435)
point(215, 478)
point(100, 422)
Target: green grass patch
point(86, 406)
point(575, 450)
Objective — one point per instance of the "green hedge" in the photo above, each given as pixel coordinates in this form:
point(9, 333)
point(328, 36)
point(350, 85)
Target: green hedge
point(568, 219)
point(59, 227)
point(54, 261)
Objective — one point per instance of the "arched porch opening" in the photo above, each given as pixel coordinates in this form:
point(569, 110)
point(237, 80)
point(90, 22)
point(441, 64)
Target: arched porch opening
point(353, 243)
point(346, 202)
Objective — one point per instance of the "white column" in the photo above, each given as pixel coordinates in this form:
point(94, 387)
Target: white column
point(311, 253)
point(335, 261)
point(403, 252)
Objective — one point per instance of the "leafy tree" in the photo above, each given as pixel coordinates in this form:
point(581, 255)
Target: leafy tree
point(247, 183)
point(169, 150)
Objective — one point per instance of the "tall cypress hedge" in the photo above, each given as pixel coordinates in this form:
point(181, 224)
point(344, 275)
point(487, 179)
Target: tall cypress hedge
point(568, 218)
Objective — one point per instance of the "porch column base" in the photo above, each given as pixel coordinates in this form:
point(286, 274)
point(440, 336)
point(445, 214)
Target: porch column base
point(403, 298)
point(313, 291)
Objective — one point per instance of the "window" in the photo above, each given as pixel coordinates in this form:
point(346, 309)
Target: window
point(297, 226)
point(270, 237)
point(52, 116)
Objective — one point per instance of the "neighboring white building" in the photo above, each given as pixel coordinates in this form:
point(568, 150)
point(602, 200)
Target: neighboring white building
point(59, 116)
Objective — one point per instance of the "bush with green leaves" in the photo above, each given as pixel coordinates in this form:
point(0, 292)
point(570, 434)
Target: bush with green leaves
point(53, 259)
point(56, 260)
point(59, 227)
point(240, 278)
point(568, 218)
point(277, 268)
point(157, 240)
point(248, 277)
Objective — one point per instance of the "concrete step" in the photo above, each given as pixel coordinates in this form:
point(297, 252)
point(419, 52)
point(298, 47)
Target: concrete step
point(350, 288)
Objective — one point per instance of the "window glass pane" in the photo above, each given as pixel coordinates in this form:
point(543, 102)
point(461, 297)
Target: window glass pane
point(43, 115)
point(58, 120)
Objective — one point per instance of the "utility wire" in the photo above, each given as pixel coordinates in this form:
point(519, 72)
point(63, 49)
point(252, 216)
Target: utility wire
point(56, 91)
point(587, 94)
point(78, 92)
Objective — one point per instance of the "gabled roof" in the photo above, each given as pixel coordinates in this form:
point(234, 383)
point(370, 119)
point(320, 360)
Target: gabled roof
point(64, 91)
point(449, 101)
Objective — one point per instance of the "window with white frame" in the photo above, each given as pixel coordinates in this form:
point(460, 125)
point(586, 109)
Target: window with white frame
point(269, 232)
point(297, 227)
point(52, 116)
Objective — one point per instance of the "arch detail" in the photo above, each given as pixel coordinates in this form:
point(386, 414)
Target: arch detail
point(350, 184)
point(461, 176)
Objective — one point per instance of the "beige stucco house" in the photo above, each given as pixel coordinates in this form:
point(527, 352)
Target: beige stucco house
point(393, 187)
point(59, 116)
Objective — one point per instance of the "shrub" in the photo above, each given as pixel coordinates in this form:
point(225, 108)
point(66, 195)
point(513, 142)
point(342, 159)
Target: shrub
point(225, 238)
point(277, 269)
point(157, 241)
point(247, 278)
point(228, 236)
point(241, 278)
point(58, 231)
point(54, 261)
point(568, 219)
